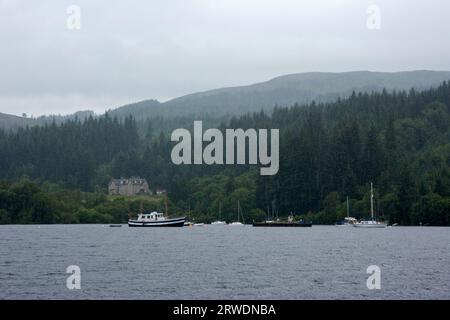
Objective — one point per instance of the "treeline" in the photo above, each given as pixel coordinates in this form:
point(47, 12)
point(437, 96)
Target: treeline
point(72, 153)
point(24, 202)
point(400, 141)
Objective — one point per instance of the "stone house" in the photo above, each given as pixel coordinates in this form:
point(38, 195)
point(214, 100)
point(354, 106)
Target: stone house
point(128, 186)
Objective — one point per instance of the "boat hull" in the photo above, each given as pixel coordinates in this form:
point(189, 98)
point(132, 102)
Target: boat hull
point(282, 224)
point(218, 223)
point(369, 226)
point(178, 222)
point(236, 224)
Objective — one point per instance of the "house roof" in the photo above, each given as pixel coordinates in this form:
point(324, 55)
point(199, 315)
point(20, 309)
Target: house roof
point(127, 181)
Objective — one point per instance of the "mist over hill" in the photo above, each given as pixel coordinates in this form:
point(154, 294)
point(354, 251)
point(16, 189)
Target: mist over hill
point(12, 122)
point(285, 90)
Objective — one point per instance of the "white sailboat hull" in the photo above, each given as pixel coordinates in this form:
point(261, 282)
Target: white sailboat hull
point(218, 223)
point(369, 225)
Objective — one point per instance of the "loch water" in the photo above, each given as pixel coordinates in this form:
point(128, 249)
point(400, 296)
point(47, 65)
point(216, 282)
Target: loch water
point(223, 262)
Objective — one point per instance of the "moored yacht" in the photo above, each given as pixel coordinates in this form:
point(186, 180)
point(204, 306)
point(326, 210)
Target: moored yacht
point(237, 223)
point(155, 219)
point(219, 222)
point(289, 223)
point(348, 221)
point(370, 223)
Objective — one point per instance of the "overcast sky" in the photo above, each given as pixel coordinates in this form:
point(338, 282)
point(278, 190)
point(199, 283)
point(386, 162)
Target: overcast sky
point(126, 51)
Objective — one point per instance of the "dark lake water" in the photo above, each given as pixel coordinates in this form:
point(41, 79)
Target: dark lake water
point(222, 262)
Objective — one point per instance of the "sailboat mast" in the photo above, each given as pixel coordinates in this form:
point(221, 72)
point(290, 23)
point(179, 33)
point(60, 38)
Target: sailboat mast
point(165, 205)
point(220, 210)
point(371, 200)
point(238, 211)
point(273, 212)
point(348, 210)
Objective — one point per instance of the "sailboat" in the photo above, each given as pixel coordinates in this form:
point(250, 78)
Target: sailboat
point(237, 223)
point(219, 222)
point(370, 223)
point(348, 221)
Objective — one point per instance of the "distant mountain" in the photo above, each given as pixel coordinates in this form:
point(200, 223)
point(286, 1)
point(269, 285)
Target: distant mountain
point(285, 91)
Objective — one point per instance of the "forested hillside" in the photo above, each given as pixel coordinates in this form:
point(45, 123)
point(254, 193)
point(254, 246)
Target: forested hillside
point(221, 104)
point(285, 90)
point(400, 141)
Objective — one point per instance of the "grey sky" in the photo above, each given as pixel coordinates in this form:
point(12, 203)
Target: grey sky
point(128, 51)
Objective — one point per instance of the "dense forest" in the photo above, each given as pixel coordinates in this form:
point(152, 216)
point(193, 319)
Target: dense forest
point(400, 141)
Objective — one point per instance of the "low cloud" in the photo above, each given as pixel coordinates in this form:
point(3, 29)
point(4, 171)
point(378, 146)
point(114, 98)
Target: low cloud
point(129, 51)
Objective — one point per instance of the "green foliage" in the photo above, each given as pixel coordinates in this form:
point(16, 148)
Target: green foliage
point(72, 154)
point(399, 141)
point(431, 209)
point(219, 195)
point(24, 202)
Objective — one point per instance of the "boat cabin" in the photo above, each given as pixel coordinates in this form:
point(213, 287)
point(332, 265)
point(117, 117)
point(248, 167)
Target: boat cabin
point(369, 222)
point(154, 216)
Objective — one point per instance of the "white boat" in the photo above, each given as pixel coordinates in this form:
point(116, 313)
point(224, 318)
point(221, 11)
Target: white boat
point(219, 222)
point(370, 223)
point(237, 223)
point(348, 221)
point(199, 224)
point(155, 219)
